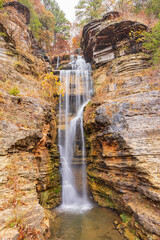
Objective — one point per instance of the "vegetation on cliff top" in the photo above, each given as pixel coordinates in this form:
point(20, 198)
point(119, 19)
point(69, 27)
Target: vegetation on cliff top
point(152, 43)
point(87, 10)
point(144, 11)
point(52, 30)
point(48, 24)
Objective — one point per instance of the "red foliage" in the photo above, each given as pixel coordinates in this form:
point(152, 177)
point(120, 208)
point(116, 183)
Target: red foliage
point(61, 45)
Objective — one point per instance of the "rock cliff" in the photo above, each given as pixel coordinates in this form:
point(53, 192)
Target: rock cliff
point(111, 37)
point(122, 126)
point(29, 159)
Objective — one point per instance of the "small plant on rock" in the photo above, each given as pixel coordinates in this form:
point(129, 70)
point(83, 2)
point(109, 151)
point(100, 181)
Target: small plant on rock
point(1, 4)
point(125, 218)
point(14, 91)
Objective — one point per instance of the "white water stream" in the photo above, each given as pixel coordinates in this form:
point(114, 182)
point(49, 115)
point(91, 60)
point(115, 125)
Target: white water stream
point(77, 86)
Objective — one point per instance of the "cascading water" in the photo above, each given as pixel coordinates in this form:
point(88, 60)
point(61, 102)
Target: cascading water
point(72, 220)
point(77, 87)
point(58, 62)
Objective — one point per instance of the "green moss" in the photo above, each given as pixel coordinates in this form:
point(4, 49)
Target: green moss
point(12, 224)
point(125, 218)
point(57, 190)
point(1, 4)
point(89, 103)
point(110, 203)
point(52, 196)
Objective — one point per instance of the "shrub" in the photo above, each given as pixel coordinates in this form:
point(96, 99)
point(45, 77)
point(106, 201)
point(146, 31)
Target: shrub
point(1, 4)
point(52, 87)
point(14, 91)
point(152, 43)
point(153, 7)
point(125, 218)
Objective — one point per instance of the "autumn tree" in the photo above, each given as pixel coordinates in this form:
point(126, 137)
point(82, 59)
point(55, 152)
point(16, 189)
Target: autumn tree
point(51, 88)
point(61, 28)
point(35, 24)
point(75, 43)
point(42, 23)
point(61, 45)
point(48, 24)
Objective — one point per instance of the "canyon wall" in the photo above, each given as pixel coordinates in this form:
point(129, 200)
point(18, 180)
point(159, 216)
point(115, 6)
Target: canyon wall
point(29, 160)
point(122, 125)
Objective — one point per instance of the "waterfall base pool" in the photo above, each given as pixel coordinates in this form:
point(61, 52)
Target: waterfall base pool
point(94, 224)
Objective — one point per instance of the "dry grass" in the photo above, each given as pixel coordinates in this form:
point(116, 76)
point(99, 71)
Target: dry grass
point(141, 17)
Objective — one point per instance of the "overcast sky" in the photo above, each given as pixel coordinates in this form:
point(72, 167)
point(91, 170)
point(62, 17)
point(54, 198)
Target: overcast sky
point(68, 7)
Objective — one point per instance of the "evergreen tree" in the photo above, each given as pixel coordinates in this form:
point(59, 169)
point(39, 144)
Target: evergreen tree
point(35, 23)
point(87, 10)
point(152, 43)
point(62, 25)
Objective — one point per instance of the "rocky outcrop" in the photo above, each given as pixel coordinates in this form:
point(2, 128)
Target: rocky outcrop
point(108, 38)
point(25, 162)
point(122, 136)
point(22, 9)
point(13, 19)
point(29, 160)
point(61, 62)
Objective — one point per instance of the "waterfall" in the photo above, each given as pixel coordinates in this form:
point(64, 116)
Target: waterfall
point(77, 87)
point(58, 62)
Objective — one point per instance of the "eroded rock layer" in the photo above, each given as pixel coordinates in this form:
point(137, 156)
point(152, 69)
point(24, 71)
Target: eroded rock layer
point(108, 38)
point(122, 126)
point(29, 160)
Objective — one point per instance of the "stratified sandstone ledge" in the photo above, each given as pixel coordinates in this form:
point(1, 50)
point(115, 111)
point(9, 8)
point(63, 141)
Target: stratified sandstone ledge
point(109, 38)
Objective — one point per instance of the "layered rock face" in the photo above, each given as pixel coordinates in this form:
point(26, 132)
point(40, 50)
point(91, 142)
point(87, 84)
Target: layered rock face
point(122, 127)
point(29, 160)
point(106, 39)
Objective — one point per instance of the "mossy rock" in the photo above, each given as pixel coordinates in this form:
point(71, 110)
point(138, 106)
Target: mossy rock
point(50, 198)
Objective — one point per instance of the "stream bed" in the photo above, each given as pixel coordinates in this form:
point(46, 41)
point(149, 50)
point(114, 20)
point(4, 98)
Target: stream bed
point(94, 224)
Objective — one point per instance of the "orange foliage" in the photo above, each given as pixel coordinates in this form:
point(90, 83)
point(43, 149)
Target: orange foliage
point(28, 233)
point(76, 42)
